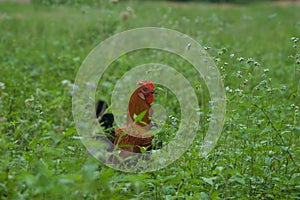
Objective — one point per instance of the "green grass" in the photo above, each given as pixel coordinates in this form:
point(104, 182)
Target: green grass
point(258, 153)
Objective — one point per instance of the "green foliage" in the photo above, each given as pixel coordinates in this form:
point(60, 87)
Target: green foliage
point(224, 1)
point(255, 48)
point(69, 2)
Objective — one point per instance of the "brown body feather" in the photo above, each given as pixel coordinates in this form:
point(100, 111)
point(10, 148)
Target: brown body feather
point(136, 106)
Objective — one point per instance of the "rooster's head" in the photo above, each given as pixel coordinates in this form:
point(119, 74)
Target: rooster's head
point(146, 90)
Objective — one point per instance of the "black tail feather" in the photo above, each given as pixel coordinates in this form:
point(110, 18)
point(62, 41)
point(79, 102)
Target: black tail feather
point(105, 120)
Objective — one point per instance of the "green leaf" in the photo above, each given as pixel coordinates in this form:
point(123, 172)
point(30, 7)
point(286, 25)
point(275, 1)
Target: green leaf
point(208, 180)
point(204, 196)
point(297, 130)
point(237, 179)
point(214, 195)
point(139, 117)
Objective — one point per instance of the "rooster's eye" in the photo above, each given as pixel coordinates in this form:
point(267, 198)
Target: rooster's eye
point(145, 89)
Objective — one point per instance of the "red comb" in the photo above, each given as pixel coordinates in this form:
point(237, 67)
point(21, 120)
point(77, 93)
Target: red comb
point(145, 82)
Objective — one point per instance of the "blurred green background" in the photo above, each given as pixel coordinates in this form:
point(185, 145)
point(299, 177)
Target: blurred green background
point(255, 46)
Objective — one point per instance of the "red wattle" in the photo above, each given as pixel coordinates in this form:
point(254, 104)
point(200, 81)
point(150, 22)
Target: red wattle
point(149, 99)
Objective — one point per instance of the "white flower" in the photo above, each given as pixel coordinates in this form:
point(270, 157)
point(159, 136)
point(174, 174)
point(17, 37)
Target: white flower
point(240, 59)
point(31, 99)
point(66, 82)
point(228, 89)
point(283, 88)
point(2, 86)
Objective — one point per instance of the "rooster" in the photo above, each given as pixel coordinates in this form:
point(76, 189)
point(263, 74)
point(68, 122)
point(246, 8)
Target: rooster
point(134, 135)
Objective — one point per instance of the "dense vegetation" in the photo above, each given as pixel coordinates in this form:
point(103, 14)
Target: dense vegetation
point(98, 2)
point(255, 48)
